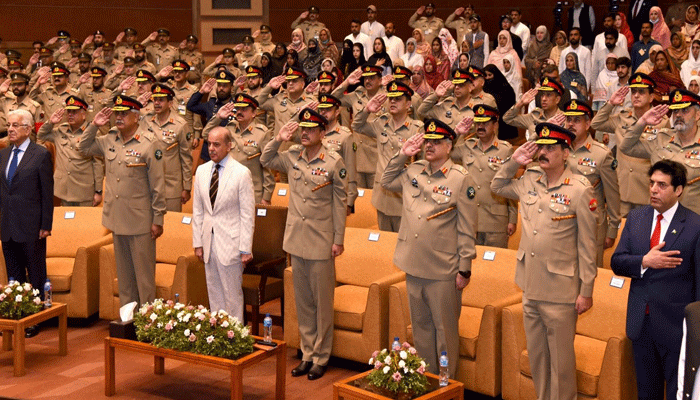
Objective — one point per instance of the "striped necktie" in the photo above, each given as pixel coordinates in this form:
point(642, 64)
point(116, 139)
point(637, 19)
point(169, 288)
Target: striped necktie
point(214, 185)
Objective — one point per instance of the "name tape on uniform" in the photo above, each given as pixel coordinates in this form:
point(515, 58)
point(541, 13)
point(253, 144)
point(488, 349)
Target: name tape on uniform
point(617, 282)
point(262, 212)
point(373, 237)
point(282, 192)
point(360, 192)
point(489, 255)
point(186, 220)
point(69, 215)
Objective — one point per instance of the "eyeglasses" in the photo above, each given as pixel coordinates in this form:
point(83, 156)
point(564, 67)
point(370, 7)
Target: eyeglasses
point(8, 126)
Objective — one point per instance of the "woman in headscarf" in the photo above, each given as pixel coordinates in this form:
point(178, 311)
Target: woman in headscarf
point(422, 47)
point(561, 41)
point(418, 82)
point(691, 66)
point(279, 58)
point(606, 78)
point(346, 58)
point(380, 56)
point(292, 59)
point(504, 48)
point(678, 50)
point(440, 58)
point(513, 74)
point(624, 29)
point(461, 62)
point(690, 28)
point(497, 86)
point(666, 77)
point(298, 42)
point(648, 65)
point(268, 68)
point(328, 47)
point(312, 62)
point(328, 65)
point(572, 78)
point(660, 33)
point(694, 84)
point(431, 73)
point(538, 51)
point(449, 46)
point(411, 57)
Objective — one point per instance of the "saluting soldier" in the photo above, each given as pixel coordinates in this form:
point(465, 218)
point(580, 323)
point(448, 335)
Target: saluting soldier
point(596, 162)
point(436, 243)
point(171, 129)
point(20, 100)
point(193, 58)
point(53, 97)
point(679, 143)
point(314, 234)
point(403, 75)
point(265, 45)
point(224, 60)
point(252, 87)
point(121, 72)
point(162, 53)
point(424, 19)
point(106, 58)
point(248, 56)
point(308, 23)
point(123, 48)
point(390, 132)
point(248, 138)
point(134, 201)
point(482, 156)
point(77, 177)
point(478, 96)
point(451, 109)
point(96, 95)
point(550, 92)
point(183, 92)
point(141, 61)
point(556, 259)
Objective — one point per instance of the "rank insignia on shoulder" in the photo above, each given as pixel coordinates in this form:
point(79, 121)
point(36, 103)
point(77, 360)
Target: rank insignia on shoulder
point(471, 193)
point(159, 154)
point(414, 182)
point(343, 173)
point(614, 164)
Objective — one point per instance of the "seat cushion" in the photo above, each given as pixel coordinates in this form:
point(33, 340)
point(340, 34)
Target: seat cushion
point(349, 307)
point(469, 324)
point(60, 271)
point(274, 288)
point(589, 361)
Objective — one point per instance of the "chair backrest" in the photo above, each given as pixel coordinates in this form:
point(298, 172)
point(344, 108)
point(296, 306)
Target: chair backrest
point(607, 253)
point(280, 196)
point(270, 223)
point(608, 315)
point(176, 240)
point(365, 261)
point(491, 280)
point(365, 215)
point(74, 227)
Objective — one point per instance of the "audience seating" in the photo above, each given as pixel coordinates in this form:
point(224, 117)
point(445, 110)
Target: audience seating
point(280, 197)
point(178, 270)
point(491, 289)
point(607, 253)
point(365, 215)
point(604, 363)
point(364, 273)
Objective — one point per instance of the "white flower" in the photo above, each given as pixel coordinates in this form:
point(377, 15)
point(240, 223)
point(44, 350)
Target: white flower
point(187, 332)
point(168, 312)
point(27, 287)
point(19, 289)
point(197, 314)
point(387, 360)
point(244, 332)
point(403, 354)
point(159, 307)
point(8, 290)
point(18, 298)
point(154, 317)
point(198, 327)
point(386, 370)
point(160, 325)
point(37, 300)
point(422, 363)
point(210, 339)
point(234, 320)
point(405, 371)
point(402, 364)
point(225, 324)
point(371, 361)
point(187, 317)
point(35, 292)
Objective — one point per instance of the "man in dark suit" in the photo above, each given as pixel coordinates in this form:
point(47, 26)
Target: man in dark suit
point(659, 250)
point(638, 13)
point(26, 203)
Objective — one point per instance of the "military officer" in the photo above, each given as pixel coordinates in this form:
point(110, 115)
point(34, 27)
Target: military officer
point(141, 61)
point(550, 92)
point(134, 203)
point(424, 19)
point(265, 44)
point(183, 92)
point(226, 60)
point(171, 129)
point(596, 162)
point(249, 138)
point(53, 97)
point(680, 143)
point(308, 23)
point(403, 75)
point(162, 53)
point(106, 58)
point(248, 56)
point(557, 207)
point(252, 87)
point(478, 96)
point(122, 49)
point(315, 232)
point(193, 58)
point(436, 243)
point(19, 100)
point(482, 156)
point(96, 95)
point(94, 42)
point(451, 109)
point(459, 21)
point(631, 171)
point(14, 66)
point(121, 72)
point(390, 132)
point(77, 177)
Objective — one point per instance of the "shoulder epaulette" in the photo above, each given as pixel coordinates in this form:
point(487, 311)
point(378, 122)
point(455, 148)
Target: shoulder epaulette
point(296, 147)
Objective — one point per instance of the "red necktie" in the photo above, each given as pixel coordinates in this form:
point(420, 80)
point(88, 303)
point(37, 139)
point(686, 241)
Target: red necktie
point(656, 235)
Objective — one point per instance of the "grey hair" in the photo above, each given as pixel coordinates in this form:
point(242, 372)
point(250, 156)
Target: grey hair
point(24, 116)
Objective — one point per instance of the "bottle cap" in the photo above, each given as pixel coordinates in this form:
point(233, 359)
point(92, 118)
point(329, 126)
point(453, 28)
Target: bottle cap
point(267, 315)
point(444, 353)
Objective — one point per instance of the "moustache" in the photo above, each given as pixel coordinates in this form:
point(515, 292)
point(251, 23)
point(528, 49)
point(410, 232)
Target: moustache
point(542, 158)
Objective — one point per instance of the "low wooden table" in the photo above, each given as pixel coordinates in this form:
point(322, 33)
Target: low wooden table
point(234, 366)
point(347, 389)
point(13, 333)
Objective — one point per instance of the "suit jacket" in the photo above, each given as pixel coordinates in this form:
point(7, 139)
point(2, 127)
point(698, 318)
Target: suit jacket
point(642, 16)
point(27, 205)
point(233, 217)
point(666, 291)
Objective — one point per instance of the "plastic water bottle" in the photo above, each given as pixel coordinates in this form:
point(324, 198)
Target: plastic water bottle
point(11, 281)
point(444, 373)
point(396, 345)
point(177, 298)
point(48, 295)
point(267, 327)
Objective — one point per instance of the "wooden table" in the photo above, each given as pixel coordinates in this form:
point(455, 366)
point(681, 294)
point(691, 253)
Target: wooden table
point(236, 367)
point(13, 333)
point(345, 389)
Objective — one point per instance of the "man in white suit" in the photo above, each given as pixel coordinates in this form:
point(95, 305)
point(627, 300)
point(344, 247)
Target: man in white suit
point(223, 222)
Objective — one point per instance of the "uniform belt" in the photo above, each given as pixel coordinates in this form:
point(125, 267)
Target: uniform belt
point(142, 164)
point(443, 212)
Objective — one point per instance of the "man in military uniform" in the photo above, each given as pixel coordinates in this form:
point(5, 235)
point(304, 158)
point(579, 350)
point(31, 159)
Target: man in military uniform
point(248, 56)
point(424, 19)
point(193, 58)
point(14, 66)
point(183, 92)
point(478, 96)
point(450, 109)
point(631, 171)
point(223, 82)
point(550, 92)
point(162, 53)
point(459, 20)
point(265, 45)
point(77, 178)
point(19, 100)
point(122, 49)
point(141, 61)
point(252, 87)
point(680, 143)
point(121, 72)
point(171, 129)
point(308, 23)
point(134, 202)
point(314, 234)
point(557, 207)
point(339, 139)
point(144, 81)
point(226, 60)
point(54, 97)
point(436, 243)
point(596, 162)
point(96, 95)
point(403, 75)
point(61, 46)
point(93, 42)
point(106, 58)
point(482, 156)
point(390, 132)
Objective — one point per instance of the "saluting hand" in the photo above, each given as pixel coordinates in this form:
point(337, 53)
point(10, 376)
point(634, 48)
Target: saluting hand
point(355, 76)
point(34, 59)
point(64, 48)
point(413, 145)
point(386, 79)
point(287, 131)
point(225, 111)
point(304, 15)
point(5, 86)
point(464, 125)
point(97, 53)
point(127, 83)
point(375, 104)
point(52, 41)
point(619, 96)
point(238, 48)
point(240, 81)
point(208, 86)
point(84, 78)
point(311, 88)
point(420, 10)
point(256, 34)
point(153, 36)
point(144, 98)
point(72, 62)
point(313, 105)
point(524, 154)
point(459, 11)
point(276, 82)
point(183, 45)
point(655, 115)
point(57, 116)
point(527, 97)
point(443, 87)
point(119, 69)
point(88, 40)
point(102, 117)
point(120, 37)
point(219, 59)
point(165, 72)
point(558, 119)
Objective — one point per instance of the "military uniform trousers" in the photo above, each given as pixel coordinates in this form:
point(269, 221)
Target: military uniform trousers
point(435, 307)
point(492, 239)
point(174, 204)
point(224, 284)
point(135, 256)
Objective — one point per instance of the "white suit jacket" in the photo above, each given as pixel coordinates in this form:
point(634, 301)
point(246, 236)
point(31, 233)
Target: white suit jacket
point(233, 218)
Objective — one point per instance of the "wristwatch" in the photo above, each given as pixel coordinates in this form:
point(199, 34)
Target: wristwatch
point(98, 192)
point(466, 274)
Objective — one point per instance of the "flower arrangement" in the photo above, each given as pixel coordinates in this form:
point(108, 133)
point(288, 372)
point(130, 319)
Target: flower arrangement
point(18, 301)
point(182, 327)
point(399, 371)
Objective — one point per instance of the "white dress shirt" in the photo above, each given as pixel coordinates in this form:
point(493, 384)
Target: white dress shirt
point(591, 16)
point(365, 40)
point(681, 372)
point(584, 62)
point(22, 150)
point(523, 31)
point(665, 222)
point(394, 47)
point(372, 29)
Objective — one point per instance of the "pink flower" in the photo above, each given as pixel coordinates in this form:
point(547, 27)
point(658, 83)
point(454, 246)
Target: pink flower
point(168, 326)
point(396, 377)
point(2, 297)
point(146, 327)
point(405, 345)
point(193, 337)
point(412, 350)
point(202, 317)
point(212, 321)
point(421, 370)
point(375, 354)
point(378, 365)
point(190, 308)
point(169, 302)
point(230, 334)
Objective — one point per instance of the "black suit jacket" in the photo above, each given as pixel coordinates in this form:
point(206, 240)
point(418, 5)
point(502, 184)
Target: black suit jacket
point(666, 291)
point(26, 205)
point(643, 16)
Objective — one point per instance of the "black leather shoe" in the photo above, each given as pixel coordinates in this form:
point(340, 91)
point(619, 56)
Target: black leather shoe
point(316, 372)
point(302, 368)
point(31, 331)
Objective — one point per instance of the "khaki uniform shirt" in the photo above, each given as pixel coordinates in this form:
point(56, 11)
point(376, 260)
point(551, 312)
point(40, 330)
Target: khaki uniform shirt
point(595, 161)
point(97, 100)
point(76, 177)
point(262, 47)
point(317, 199)
point(211, 70)
point(147, 66)
point(438, 218)
point(245, 60)
point(460, 25)
point(528, 121)
point(495, 212)
point(431, 28)
point(50, 99)
point(261, 116)
point(196, 61)
point(182, 96)
point(482, 98)
point(557, 253)
point(664, 144)
point(310, 29)
point(161, 57)
point(109, 67)
point(134, 197)
point(122, 49)
point(283, 108)
point(389, 139)
point(339, 138)
point(446, 111)
point(177, 154)
point(9, 103)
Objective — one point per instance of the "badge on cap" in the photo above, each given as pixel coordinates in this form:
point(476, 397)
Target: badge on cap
point(393, 87)
point(545, 81)
point(222, 75)
point(157, 89)
point(71, 101)
point(432, 127)
point(638, 79)
point(290, 71)
point(324, 98)
point(573, 104)
point(118, 101)
point(368, 69)
point(678, 96)
point(480, 111)
point(545, 132)
point(307, 115)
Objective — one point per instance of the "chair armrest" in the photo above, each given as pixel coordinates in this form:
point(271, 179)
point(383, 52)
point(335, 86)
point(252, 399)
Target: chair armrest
point(399, 314)
point(617, 380)
point(265, 266)
point(108, 272)
point(190, 281)
point(513, 344)
point(376, 319)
